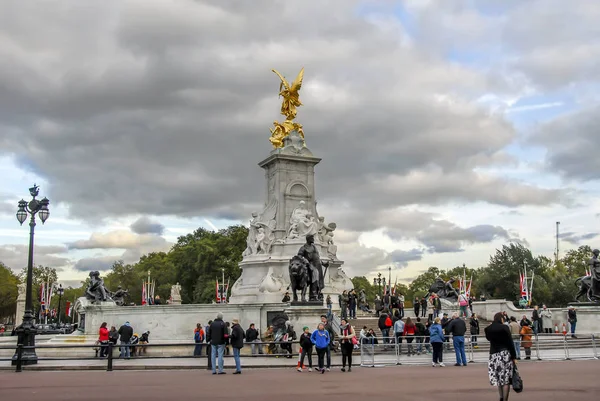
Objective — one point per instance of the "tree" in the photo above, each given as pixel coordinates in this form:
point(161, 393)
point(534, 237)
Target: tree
point(8, 292)
point(41, 275)
point(420, 285)
point(361, 283)
point(576, 260)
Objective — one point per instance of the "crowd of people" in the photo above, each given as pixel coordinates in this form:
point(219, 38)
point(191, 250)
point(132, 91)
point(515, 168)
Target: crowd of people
point(130, 342)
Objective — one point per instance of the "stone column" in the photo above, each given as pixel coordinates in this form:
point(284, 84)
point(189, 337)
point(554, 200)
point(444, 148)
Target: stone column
point(20, 304)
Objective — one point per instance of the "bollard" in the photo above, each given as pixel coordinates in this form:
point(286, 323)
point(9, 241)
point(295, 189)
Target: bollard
point(109, 366)
point(19, 367)
point(566, 348)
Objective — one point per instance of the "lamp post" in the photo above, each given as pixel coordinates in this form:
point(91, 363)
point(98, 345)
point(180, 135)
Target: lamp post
point(60, 291)
point(26, 331)
point(377, 281)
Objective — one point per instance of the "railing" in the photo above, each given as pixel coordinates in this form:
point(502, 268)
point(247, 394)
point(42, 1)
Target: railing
point(387, 351)
point(263, 349)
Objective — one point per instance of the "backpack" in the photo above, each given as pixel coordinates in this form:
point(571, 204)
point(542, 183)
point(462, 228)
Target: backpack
point(199, 336)
point(388, 322)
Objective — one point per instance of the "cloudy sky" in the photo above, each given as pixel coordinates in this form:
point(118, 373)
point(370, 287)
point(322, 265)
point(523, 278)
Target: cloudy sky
point(446, 128)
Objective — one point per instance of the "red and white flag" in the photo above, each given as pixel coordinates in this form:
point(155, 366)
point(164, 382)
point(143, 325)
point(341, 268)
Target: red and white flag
point(43, 297)
point(68, 308)
point(218, 293)
point(144, 294)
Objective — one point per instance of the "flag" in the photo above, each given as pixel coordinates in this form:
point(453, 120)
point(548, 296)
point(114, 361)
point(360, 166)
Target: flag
point(68, 308)
point(43, 298)
point(218, 293)
point(144, 301)
point(468, 292)
point(523, 286)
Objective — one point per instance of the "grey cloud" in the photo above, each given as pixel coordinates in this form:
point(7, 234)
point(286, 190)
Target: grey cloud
point(362, 260)
point(570, 141)
point(96, 263)
point(144, 225)
point(401, 258)
point(170, 113)
point(15, 256)
point(575, 239)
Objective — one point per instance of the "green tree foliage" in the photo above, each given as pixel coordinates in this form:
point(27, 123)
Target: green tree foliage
point(576, 260)
point(361, 283)
point(8, 292)
point(41, 275)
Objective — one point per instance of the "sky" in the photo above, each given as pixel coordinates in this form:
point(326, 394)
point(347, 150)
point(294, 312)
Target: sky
point(446, 128)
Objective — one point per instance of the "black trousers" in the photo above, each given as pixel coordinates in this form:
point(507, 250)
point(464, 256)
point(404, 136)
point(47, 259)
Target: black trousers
point(321, 357)
point(347, 354)
point(306, 352)
point(437, 352)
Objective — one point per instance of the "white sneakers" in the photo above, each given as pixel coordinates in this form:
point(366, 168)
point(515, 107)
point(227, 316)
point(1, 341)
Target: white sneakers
point(435, 364)
point(310, 369)
point(442, 364)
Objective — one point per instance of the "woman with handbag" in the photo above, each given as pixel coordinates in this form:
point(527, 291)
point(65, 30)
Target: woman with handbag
point(348, 339)
point(503, 357)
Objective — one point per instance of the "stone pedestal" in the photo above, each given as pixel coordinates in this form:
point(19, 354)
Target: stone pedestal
point(290, 183)
point(301, 316)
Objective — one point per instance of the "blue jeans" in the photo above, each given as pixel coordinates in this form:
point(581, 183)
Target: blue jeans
point(385, 333)
point(125, 349)
point(459, 350)
point(220, 350)
point(573, 326)
point(236, 358)
point(518, 348)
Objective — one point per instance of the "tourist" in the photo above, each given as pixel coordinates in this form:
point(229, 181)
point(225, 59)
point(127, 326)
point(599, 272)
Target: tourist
point(444, 322)
point(113, 335)
point(352, 298)
point(103, 339)
point(524, 321)
point(329, 306)
point(347, 338)
point(286, 297)
point(471, 299)
point(208, 347)
point(420, 334)
point(369, 341)
point(526, 336)
point(344, 305)
point(515, 331)
point(410, 330)
point(546, 315)
point(252, 337)
point(125, 335)
point(198, 339)
point(537, 321)
point(436, 338)
point(437, 305)
point(227, 350)
point(133, 343)
point(363, 333)
point(387, 300)
point(423, 306)
point(502, 356)
point(331, 332)
point(474, 326)
point(572, 319)
point(428, 324)
point(385, 323)
point(269, 338)
point(288, 337)
point(463, 303)
point(320, 338)
point(401, 304)
point(306, 347)
point(237, 343)
point(398, 331)
point(157, 300)
point(144, 340)
point(457, 327)
point(216, 336)
point(378, 305)
point(416, 306)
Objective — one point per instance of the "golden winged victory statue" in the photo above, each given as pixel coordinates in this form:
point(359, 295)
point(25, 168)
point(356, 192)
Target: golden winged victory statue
point(291, 100)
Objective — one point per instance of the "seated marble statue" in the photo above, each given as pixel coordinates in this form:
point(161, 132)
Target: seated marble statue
point(302, 222)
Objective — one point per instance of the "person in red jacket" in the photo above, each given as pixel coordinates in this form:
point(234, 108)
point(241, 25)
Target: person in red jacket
point(410, 330)
point(103, 339)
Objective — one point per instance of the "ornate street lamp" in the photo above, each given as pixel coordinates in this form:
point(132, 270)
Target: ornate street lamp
point(60, 291)
point(26, 331)
point(378, 281)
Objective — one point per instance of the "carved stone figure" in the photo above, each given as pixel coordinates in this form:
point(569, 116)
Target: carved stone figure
point(310, 252)
point(302, 222)
point(584, 284)
point(22, 288)
point(119, 296)
point(260, 234)
point(594, 264)
point(443, 289)
point(176, 294)
point(96, 290)
point(299, 280)
point(271, 282)
point(362, 298)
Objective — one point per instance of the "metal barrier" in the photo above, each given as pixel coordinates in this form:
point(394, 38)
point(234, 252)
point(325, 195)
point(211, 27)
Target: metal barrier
point(543, 347)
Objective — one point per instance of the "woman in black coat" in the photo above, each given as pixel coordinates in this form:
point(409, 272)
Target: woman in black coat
point(503, 356)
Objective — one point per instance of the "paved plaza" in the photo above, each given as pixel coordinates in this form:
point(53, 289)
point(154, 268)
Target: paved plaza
point(568, 380)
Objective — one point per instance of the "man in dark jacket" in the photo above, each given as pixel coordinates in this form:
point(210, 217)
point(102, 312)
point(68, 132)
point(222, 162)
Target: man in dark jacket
point(423, 306)
point(457, 327)
point(217, 337)
point(237, 343)
point(331, 336)
point(125, 334)
point(252, 338)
